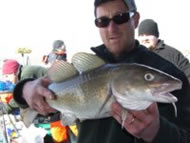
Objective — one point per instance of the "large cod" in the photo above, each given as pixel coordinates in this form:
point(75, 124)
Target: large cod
point(86, 88)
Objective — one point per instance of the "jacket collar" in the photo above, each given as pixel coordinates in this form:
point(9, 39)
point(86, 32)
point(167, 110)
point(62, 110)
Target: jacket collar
point(105, 54)
point(160, 44)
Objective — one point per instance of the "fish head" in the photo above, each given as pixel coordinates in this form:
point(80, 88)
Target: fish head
point(137, 83)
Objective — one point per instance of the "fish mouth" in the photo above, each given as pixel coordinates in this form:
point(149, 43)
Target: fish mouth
point(163, 93)
point(167, 98)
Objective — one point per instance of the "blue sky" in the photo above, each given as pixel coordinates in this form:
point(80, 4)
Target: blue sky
point(35, 24)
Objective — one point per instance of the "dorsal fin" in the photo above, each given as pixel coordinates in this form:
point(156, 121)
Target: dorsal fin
point(84, 62)
point(61, 70)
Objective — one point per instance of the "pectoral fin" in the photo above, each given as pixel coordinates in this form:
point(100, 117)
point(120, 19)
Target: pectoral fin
point(108, 98)
point(123, 117)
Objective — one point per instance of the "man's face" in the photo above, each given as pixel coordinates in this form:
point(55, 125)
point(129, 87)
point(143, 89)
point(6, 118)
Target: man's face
point(149, 41)
point(117, 37)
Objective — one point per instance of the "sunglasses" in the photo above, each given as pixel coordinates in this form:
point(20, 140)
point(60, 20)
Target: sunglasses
point(117, 19)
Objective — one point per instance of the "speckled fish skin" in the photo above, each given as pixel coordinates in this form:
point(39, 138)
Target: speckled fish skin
point(82, 96)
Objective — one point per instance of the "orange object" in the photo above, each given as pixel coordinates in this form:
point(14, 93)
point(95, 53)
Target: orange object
point(59, 132)
point(6, 97)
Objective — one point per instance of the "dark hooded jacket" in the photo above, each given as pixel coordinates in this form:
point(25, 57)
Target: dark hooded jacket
point(172, 129)
point(174, 56)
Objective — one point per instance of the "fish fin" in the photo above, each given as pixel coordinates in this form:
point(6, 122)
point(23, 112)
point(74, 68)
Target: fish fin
point(68, 119)
point(123, 117)
point(61, 70)
point(103, 105)
point(84, 62)
point(109, 95)
point(175, 108)
point(27, 116)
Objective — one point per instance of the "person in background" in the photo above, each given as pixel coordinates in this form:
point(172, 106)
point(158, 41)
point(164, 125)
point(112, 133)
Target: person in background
point(58, 53)
point(148, 35)
point(59, 49)
point(13, 71)
point(116, 21)
point(10, 69)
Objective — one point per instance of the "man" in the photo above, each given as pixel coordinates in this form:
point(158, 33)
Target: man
point(117, 20)
point(148, 34)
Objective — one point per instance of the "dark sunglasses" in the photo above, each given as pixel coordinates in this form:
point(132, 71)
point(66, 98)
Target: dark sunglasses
point(117, 19)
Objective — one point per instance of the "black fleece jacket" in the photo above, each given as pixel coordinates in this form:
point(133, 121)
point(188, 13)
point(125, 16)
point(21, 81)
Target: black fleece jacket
point(172, 129)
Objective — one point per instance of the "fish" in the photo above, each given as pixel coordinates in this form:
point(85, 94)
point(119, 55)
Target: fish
point(86, 87)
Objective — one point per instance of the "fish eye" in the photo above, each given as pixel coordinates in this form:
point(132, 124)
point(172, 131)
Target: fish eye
point(148, 77)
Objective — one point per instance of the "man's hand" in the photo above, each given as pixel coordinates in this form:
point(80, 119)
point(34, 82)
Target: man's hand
point(35, 92)
point(141, 124)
